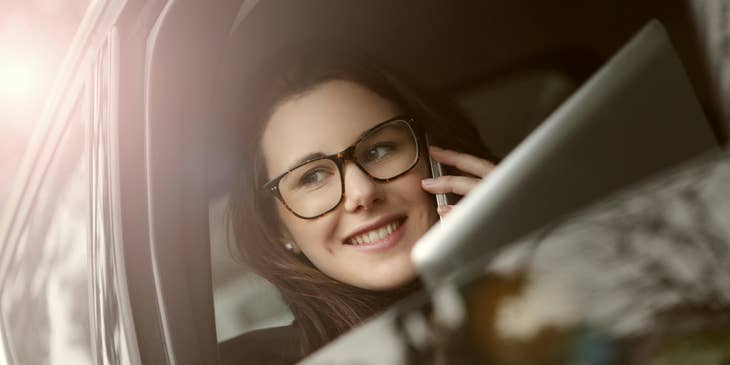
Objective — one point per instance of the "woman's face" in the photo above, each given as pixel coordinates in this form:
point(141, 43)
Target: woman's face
point(326, 120)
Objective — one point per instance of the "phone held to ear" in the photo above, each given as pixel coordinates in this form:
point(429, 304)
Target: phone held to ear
point(436, 171)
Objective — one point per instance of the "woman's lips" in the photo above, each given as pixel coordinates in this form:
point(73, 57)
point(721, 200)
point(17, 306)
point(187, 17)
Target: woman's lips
point(379, 238)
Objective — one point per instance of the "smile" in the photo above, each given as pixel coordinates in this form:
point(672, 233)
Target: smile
point(375, 235)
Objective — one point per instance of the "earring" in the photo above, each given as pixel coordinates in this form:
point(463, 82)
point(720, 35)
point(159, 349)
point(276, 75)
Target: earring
point(289, 246)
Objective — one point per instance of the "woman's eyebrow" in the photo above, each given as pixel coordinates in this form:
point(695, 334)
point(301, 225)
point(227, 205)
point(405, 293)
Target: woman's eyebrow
point(315, 155)
point(309, 157)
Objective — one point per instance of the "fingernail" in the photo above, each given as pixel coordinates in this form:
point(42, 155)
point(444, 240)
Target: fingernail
point(443, 209)
point(435, 148)
point(428, 182)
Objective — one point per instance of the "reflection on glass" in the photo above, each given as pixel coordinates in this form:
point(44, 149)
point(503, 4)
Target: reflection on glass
point(644, 279)
point(112, 329)
point(45, 299)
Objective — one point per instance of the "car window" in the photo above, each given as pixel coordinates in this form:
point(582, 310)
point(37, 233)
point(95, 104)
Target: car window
point(45, 295)
point(63, 288)
point(113, 331)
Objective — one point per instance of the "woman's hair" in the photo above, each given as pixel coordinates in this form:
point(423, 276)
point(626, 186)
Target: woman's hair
point(323, 308)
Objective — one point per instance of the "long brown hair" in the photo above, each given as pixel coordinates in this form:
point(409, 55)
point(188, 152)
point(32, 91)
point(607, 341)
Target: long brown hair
point(323, 308)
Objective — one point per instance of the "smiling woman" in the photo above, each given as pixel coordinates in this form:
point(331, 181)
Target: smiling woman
point(347, 110)
point(330, 201)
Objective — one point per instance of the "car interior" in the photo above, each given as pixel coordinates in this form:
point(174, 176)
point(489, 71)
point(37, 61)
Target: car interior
point(507, 64)
point(114, 246)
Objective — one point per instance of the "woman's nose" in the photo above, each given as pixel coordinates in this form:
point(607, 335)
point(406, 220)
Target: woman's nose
point(361, 192)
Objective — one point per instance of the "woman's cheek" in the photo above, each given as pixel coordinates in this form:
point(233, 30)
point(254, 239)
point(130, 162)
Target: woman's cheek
point(312, 235)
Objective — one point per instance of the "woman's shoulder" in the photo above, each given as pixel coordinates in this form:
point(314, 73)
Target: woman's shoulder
point(275, 345)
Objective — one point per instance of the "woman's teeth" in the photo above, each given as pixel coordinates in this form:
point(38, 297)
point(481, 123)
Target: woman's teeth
point(375, 235)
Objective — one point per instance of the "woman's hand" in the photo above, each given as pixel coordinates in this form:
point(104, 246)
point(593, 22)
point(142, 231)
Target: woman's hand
point(477, 167)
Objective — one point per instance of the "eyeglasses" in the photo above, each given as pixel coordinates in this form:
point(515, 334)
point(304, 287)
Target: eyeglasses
point(315, 187)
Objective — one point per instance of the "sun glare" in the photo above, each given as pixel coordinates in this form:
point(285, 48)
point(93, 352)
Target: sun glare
point(18, 80)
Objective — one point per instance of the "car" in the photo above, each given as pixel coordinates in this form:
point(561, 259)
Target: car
point(112, 250)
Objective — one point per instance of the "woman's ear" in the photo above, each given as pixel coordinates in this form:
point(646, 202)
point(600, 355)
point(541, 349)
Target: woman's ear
point(291, 246)
point(288, 241)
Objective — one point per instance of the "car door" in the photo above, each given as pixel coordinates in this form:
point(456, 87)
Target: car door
point(76, 273)
point(62, 279)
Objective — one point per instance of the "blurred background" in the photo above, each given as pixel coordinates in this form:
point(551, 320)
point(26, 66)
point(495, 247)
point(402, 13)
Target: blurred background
point(35, 36)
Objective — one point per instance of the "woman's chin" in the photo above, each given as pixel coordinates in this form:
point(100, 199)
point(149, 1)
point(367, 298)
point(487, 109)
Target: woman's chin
point(390, 281)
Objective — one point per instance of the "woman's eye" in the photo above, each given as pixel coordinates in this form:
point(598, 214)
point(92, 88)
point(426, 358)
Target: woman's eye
point(313, 177)
point(378, 152)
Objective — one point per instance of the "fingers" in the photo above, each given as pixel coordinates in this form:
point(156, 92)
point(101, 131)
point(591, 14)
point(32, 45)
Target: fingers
point(444, 210)
point(460, 185)
point(462, 161)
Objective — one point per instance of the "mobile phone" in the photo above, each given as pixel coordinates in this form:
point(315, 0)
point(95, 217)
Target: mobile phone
point(436, 171)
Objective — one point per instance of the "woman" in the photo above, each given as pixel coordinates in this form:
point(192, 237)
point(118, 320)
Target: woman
point(335, 191)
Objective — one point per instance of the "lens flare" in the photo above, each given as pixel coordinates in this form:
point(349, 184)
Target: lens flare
point(18, 80)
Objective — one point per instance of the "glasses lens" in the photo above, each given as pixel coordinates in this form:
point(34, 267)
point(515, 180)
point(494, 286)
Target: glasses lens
point(388, 151)
point(316, 187)
point(313, 188)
